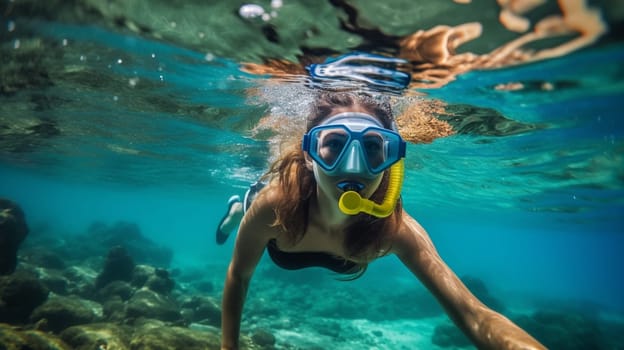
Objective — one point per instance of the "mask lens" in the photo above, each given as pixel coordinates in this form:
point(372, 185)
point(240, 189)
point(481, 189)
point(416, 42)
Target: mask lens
point(374, 149)
point(331, 144)
point(382, 147)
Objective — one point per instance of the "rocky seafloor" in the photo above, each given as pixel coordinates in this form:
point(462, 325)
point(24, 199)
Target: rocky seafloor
point(110, 287)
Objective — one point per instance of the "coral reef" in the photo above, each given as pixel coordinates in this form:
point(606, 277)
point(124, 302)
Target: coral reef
point(571, 329)
point(20, 294)
point(109, 302)
point(13, 230)
point(133, 241)
point(71, 305)
point(117, 267)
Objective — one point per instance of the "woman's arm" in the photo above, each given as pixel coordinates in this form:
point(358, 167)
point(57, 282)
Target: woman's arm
point(254, 233)
point(486, 328)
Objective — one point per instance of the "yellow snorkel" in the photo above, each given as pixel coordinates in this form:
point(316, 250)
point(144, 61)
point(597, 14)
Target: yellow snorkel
point(351, 203)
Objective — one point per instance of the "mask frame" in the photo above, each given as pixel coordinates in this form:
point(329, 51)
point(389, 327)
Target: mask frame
point(360, 139)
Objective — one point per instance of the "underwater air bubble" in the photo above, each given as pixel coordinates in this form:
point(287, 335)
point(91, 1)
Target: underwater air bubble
point(250, 11)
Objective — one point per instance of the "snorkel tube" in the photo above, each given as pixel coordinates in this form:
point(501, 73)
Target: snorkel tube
point(351, 203)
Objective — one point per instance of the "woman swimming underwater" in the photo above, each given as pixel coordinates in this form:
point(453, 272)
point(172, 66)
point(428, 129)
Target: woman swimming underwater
point(333, 201)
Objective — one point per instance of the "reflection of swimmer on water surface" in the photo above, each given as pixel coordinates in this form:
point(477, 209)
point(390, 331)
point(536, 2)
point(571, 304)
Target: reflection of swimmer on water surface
point(332, 200)
point(432, 53)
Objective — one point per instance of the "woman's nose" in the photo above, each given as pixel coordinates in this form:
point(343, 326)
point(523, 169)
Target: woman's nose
point(354, 159)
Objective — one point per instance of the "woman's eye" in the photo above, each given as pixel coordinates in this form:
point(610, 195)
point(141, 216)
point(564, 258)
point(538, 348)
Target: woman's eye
point(373, 145)
point(334, 143)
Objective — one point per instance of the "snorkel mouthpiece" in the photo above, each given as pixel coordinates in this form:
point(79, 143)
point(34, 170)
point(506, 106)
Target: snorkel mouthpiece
point(351, 203)
point(350, 186)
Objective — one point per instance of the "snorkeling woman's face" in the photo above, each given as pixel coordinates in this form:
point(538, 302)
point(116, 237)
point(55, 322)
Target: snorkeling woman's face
point(354, 169)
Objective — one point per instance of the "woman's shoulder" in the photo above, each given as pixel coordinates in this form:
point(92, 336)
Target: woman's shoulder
point(260, 217)
point(410, 234)
point(269, 195)
point(262, 208)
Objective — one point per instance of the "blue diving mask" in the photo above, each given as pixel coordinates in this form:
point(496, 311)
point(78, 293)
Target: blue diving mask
point(351, 143)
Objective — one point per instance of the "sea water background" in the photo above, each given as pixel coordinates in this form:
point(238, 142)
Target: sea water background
point(536, 216)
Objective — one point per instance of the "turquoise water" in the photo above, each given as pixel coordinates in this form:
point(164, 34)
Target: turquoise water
point(161, 136)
